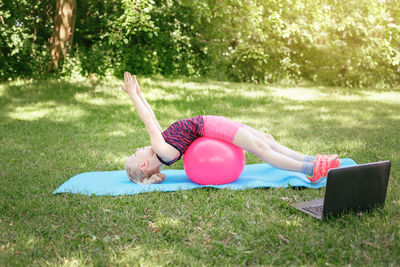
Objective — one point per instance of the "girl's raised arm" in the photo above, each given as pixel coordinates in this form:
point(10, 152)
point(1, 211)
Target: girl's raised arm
point(144, 101)
point(139, 91)
point(157, 141)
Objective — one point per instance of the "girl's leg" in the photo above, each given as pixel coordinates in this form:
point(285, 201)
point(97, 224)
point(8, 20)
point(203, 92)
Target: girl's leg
point(275, 145)
point(249, 141)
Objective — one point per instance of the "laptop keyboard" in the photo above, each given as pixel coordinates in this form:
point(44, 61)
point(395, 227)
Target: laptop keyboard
point(317, 210)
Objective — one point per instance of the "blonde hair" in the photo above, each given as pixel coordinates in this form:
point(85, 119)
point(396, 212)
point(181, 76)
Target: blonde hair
point(136, 175)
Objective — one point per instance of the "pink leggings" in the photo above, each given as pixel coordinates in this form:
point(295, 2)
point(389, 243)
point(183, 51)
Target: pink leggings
point(220, 128)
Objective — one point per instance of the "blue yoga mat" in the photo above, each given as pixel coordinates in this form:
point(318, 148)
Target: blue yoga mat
point(116, 183)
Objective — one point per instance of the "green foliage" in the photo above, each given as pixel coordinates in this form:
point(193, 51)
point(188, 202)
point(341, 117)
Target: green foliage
point(353, 43)
point(347, 44)
point(24, 32)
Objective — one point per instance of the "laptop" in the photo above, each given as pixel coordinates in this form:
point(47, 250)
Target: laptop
point(359, 188)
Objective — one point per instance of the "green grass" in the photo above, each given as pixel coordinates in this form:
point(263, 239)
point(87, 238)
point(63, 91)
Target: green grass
point(53, 130)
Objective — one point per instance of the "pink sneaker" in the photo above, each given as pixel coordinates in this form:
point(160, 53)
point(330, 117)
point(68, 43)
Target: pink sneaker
point(322, 165)
point(327, 157)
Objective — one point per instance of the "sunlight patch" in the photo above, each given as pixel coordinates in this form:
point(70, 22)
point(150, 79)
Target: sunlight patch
point(255, 94)
point(142, 255)
point(346, 120)
point(49, 109)
point(168, 222)
point(352, 145)
point(294, 108)
point(298, 94)
point(395, 117)
point(158, 94)
point(188, 85)
point(66, 113)
point(29, 242)
point(110, 159)
point(389, 97)
point(295, 222)
point(98, 101)
point(2, 89)
point(28, 114)
point(72, 262)
point(32, 112)
point(117, 133)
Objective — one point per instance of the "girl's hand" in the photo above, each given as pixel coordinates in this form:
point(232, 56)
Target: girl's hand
point(137, 87)
point(133, 79)
point(130, 84)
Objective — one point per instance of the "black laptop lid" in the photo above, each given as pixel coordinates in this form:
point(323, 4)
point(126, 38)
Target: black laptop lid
point(358, 187)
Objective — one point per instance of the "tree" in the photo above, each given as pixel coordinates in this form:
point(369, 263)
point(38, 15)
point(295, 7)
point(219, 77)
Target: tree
point(63, 32)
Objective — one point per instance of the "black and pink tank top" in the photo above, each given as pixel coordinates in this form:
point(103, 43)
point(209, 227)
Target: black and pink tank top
point(181, 134)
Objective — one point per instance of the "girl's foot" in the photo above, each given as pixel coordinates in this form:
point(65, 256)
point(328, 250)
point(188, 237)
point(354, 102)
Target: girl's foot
point(322, 165)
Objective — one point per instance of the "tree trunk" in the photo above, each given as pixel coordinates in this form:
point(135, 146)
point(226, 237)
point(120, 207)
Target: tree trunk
point(63, 32)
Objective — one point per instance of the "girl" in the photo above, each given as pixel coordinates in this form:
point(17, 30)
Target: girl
point(167, 147)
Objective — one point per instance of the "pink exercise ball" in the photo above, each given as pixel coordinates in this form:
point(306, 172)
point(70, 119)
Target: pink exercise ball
point(209, 161)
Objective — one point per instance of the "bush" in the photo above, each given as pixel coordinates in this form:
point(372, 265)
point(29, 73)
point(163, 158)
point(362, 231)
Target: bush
point(351, 43)
point(24, 31)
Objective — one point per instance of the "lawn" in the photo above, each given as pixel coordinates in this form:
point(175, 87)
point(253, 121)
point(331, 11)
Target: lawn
point(52, 130)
